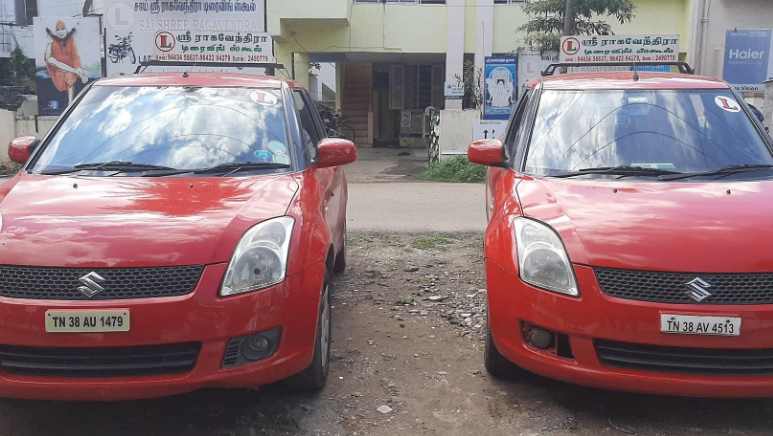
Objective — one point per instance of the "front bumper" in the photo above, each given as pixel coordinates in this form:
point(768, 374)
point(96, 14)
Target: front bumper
point(596, 316)
point(200, 316)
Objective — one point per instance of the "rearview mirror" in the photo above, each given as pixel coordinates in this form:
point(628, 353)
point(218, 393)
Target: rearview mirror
point(20, 149)
point(333, 152)
point(489, 152)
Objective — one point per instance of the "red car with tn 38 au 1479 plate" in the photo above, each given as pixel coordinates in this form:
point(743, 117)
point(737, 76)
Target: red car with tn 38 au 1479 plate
point(172, 232)
point(629, 237)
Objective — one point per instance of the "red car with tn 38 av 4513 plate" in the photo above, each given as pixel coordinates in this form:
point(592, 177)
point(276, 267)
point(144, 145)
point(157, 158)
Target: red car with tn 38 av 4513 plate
point(172, 232)
point(629, 237)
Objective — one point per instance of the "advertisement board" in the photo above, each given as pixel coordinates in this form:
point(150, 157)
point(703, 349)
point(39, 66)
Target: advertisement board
point(748, 62)
point(454, 90)
point(500, 91)
point(133, 30)
point(67, 57)
point(619, 48)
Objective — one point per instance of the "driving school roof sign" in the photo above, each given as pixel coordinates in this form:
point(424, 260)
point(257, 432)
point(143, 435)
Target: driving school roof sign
point(619, 48)
point(203, 47)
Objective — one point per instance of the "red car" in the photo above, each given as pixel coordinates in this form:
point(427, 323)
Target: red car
point(629, 237)
point(172, 232)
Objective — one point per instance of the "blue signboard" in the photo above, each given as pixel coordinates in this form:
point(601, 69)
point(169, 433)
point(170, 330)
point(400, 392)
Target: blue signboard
point(655, 68)
point(500, 87)
point(748, 62)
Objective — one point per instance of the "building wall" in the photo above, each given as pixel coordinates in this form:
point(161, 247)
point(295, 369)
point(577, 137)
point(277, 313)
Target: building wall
point(379, 28)
point(7, 132)
point(726, 15)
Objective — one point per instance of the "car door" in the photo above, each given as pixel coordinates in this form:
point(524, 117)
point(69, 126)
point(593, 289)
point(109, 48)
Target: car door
point(331, 177)
point(510, 141)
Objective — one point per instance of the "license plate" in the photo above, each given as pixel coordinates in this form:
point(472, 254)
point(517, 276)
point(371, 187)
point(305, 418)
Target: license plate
point(87, 321)
point(700, 325)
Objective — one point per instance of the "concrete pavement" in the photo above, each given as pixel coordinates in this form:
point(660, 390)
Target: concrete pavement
point(386, 196)
point(379, 165)
point(418, 207)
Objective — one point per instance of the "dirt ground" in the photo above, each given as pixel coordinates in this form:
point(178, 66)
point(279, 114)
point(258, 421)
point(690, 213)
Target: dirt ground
point(407, 332)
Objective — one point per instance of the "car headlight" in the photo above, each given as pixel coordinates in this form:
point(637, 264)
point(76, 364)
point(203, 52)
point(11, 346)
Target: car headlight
point(542, 258)
point(260, 257)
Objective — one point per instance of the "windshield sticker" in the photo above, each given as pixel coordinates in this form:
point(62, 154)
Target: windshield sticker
point(638, 99)
point(660, 166)
point(264, 97)
point(262, 154)
point(727, 104)
point(281, 159)
point(277, 147)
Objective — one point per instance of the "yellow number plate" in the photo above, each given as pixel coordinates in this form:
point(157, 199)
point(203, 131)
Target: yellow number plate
point(87, 321)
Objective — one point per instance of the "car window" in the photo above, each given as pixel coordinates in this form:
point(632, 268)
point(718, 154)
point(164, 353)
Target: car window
point(177, 127)
point(310, 133)
point(516, 125)
point(679, 130)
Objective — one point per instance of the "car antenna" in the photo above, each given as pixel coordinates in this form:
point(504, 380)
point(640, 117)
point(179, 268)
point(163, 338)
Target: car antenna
point(635, 73)
point(185, 74)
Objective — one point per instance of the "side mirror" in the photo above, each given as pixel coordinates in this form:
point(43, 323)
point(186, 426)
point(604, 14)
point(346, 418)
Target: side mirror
point(333, 152)
point(489, 152)
point(20, 149)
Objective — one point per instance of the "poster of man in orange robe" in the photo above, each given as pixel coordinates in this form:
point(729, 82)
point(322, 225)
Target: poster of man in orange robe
point(67, 58)
point(63, 60)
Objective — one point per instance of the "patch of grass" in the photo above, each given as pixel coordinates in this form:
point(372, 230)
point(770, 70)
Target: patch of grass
point(480, 238)
point(405, 302)
point(455, 170)
point(430, 242)
point(392, 240)
point(358, 239)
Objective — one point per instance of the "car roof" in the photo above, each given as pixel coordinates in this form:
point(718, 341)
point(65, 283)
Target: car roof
point(624, 80)
point(198, 79)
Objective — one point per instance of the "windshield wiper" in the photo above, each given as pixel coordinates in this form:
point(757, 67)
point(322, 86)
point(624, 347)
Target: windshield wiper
point(621, 170)
point(226, 168)
point(116, 165)
point(725, 171)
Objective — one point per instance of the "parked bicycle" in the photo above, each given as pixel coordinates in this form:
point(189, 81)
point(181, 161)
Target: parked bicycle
point(122, 50)
point(335, 125)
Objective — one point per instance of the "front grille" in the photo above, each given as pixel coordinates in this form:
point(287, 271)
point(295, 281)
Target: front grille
point(706, 361)
point(671, 287)
point(119, 283)
point(100, 362)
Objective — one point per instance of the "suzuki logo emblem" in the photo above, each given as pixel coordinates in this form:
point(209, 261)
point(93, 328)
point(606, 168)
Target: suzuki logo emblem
point(698, 290)
point(91, 285)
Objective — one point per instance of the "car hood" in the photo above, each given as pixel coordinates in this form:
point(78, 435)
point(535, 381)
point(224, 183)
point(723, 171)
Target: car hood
point(132, 222)
point(690, 227)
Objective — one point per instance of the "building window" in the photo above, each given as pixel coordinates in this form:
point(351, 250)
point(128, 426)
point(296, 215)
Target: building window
point(508, 2)
point(414, 87)
point(403, 2)
point(31, 6)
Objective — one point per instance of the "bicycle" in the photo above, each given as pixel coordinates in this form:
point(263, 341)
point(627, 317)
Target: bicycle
point(335, 125)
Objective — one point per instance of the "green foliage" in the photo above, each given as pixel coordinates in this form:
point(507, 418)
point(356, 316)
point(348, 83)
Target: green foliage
point(473, 84)
point(456, 170)
point(21, 66)
point(430, 242)
point(546, 20)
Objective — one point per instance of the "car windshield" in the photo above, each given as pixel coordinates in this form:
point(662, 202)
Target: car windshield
point(171, 128)
point(686, 131)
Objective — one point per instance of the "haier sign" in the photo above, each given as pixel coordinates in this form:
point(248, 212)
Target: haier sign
point(748, 60)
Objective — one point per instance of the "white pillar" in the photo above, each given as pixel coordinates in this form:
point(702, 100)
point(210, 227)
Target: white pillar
point(485, 31)
point(455, 49)
point(767, 106)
